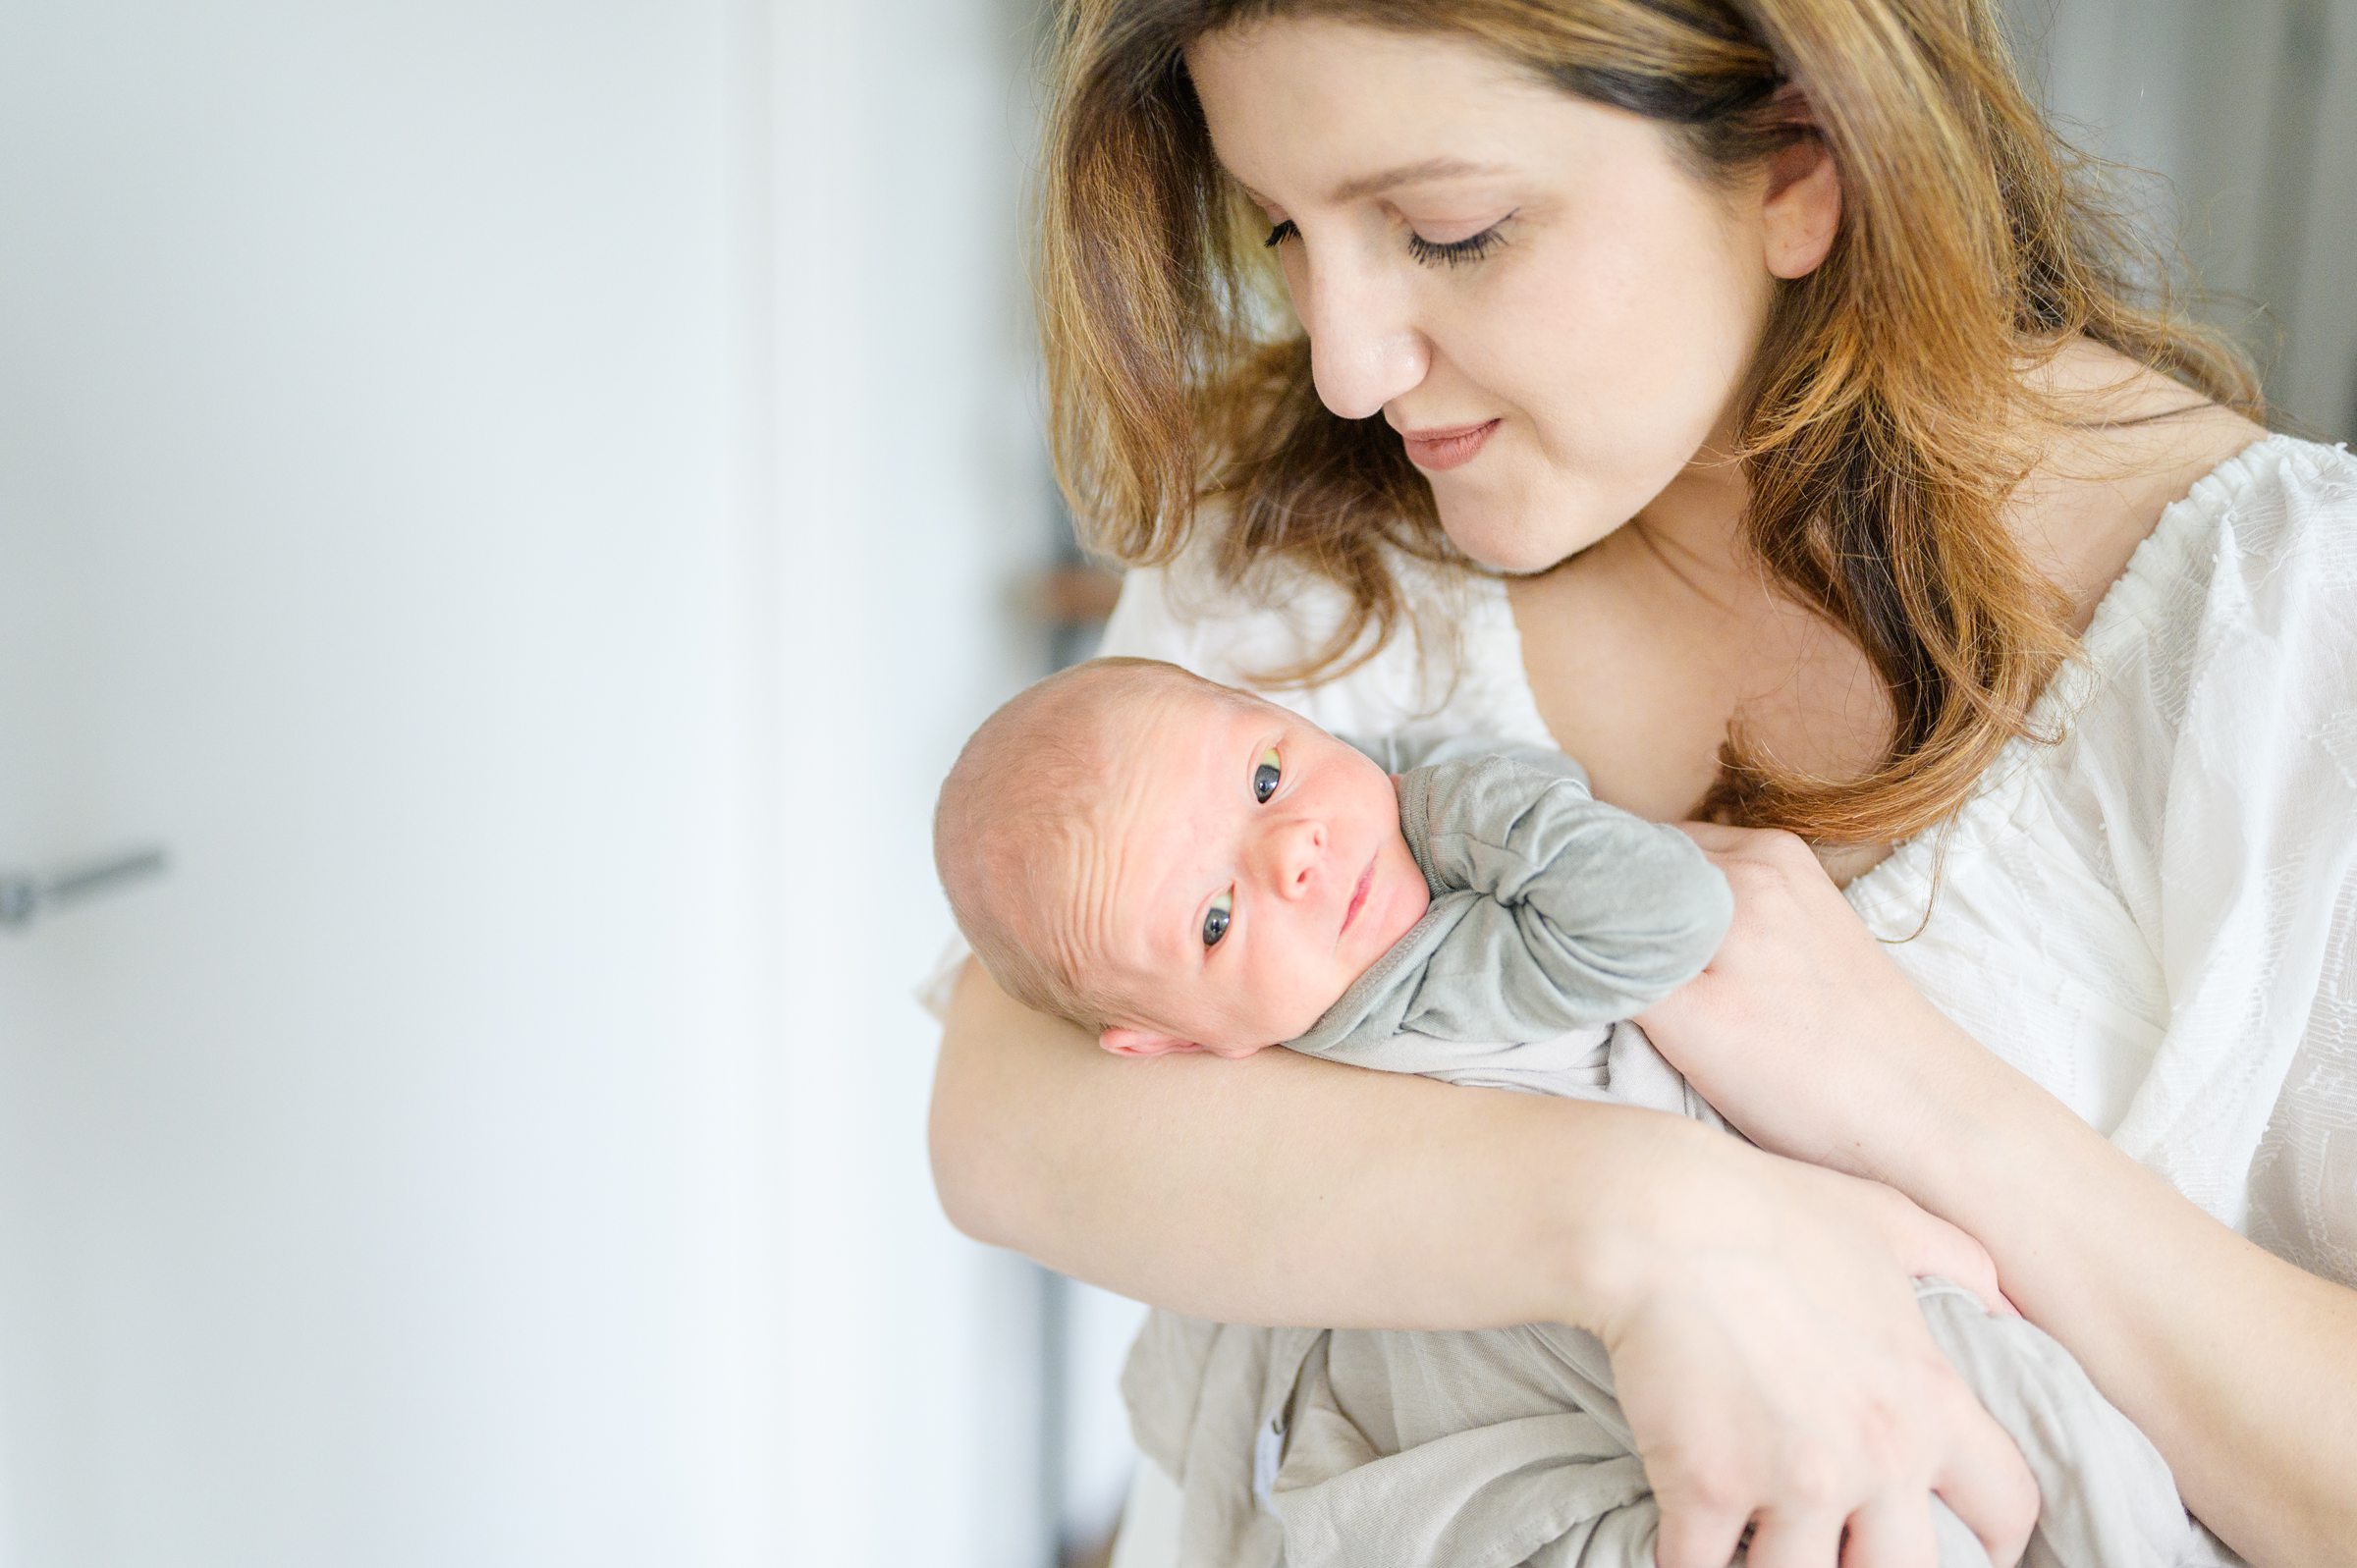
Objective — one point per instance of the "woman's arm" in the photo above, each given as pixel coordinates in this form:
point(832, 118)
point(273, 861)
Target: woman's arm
point(2240, 1368)
point(1277, 1189)
point(1769, 1351)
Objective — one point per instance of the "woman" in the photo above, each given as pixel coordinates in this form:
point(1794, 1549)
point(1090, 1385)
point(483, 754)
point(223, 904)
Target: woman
point(1744, 395)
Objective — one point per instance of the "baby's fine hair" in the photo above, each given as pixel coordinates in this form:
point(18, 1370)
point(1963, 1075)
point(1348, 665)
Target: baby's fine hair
point(1029, 785)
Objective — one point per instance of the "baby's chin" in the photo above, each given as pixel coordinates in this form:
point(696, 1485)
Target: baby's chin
point(1275, 1030)
point(1294, 1028)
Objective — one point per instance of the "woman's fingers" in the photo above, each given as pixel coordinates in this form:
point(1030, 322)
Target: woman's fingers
point(1928, 1246)
point(1696, 1532)
point(1892, 1533)
point(1988, 1482)
point(1802, 1030)
point(1775, 1367)
point(1794, 1538)
point(1925, 1245)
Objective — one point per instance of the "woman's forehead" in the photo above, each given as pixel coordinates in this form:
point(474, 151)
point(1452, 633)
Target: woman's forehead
point(1345, 111)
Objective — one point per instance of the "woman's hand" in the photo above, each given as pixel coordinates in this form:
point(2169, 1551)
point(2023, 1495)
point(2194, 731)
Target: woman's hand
point(1801, 1030)
point(1776, 1372)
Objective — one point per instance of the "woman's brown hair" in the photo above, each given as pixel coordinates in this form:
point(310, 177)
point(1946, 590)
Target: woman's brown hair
point(1886, 419)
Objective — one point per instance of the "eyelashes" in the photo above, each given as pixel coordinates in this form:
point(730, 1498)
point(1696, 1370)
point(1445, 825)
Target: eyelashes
point(1455, 253)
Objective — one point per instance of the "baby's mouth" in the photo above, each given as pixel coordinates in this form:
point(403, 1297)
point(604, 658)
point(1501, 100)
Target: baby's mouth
point(1358, 894)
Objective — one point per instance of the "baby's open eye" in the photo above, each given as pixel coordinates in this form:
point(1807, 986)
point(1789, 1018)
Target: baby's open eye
point(1214, 919)
point(1265, 776)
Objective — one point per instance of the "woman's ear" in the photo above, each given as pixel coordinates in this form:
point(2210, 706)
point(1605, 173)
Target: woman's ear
point(1124, 1042)
point(1801, 206)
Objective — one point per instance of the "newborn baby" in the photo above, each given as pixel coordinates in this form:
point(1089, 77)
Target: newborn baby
point(1180, 865)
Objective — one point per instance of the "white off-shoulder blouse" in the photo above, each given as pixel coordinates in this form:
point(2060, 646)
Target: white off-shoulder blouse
point(2155, 918)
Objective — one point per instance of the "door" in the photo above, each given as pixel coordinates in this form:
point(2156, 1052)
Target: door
point(365, 539)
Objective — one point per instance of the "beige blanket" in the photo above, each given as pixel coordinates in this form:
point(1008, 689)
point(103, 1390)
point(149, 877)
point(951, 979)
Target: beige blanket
point(1363, 1448)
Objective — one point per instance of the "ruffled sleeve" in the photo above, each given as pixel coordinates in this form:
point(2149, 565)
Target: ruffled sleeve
point(2249, 887)
point(2156, 917)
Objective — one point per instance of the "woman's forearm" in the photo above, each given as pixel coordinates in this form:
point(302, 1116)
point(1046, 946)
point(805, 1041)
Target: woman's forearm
point(1757, 1309)
point(1278, 1189)
point(2242, 1368)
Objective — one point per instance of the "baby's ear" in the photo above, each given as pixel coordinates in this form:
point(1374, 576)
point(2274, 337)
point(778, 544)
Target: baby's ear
point(1138, 1043)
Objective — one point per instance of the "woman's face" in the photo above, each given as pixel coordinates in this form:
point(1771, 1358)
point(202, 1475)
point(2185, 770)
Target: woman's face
point(1529, 281)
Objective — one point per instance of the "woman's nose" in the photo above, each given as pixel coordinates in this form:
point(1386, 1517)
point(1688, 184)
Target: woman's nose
point(1364, 345)
point(1291, 854)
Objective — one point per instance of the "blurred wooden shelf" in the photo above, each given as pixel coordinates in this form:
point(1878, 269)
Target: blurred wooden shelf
point(1077, 596)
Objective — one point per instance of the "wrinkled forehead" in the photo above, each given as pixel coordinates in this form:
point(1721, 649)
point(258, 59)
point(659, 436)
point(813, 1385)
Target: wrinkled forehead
point(1131, 831)
point(1141, 718)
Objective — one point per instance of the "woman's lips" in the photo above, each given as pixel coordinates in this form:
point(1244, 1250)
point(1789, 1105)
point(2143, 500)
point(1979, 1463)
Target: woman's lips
point(1446, 446)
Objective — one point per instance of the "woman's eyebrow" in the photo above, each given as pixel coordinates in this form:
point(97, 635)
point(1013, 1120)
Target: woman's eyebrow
point(1406, 173)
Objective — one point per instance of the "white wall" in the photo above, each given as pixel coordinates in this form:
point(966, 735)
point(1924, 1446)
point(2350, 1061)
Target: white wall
point(2245, 113)
point(908, 469)
point(513, 494)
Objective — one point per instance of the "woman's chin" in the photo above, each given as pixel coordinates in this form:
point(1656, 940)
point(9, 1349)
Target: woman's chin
point(1503, 537)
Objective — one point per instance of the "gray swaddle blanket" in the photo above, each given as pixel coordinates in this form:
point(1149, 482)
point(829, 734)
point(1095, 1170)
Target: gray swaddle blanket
point(1554, 918)
point(1550, 910)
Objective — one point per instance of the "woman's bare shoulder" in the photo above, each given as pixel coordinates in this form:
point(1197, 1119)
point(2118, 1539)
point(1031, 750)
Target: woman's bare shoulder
point(2137, 441)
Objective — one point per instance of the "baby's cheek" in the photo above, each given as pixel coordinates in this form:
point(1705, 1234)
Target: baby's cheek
point(1308, 990)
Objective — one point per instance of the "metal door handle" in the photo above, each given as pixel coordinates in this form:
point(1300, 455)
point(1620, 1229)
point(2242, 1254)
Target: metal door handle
point(23, 894)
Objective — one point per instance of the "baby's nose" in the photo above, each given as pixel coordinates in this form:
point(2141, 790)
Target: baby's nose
point(1298, 850)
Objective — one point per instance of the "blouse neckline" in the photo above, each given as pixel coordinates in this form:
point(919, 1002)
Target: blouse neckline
point(2121, 616)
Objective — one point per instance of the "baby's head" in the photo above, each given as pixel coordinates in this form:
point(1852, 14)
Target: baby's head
point(1172, 864)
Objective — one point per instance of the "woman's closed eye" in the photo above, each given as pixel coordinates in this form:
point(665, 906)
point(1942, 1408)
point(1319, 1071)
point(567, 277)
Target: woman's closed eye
point(1457, 253)
point(1432, 253)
